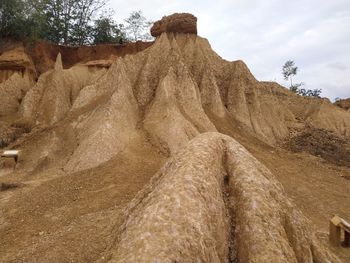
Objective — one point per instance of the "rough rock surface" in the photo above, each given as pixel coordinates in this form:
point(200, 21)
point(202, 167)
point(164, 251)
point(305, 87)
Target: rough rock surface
point(214, 202)
point(175, 23)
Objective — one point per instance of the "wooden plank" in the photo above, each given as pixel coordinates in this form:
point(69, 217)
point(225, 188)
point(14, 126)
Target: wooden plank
point(11, 154)
point(345, 225)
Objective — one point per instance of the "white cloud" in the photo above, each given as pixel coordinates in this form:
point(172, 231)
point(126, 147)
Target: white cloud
point(316, 34)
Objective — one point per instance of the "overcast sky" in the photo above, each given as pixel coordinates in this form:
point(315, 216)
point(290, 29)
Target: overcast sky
point(266, 33)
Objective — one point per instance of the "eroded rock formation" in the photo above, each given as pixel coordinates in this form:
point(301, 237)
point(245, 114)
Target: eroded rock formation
point(182, 87)
point(17, 75)
point(214, 202)
point(15, 61)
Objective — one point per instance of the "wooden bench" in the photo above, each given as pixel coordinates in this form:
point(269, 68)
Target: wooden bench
point(336, 225)
point(11, 154)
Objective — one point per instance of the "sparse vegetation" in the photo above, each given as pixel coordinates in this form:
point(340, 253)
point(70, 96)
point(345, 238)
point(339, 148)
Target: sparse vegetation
point(309, 92)
point(289, 70)
point(137, 27)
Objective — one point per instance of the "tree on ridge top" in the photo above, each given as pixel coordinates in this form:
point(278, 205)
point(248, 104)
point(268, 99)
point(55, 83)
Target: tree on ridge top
point(137, 27)
point(288, 71)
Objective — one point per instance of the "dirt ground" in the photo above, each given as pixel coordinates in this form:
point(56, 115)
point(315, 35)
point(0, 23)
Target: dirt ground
point(321, 143)
point(55, 217)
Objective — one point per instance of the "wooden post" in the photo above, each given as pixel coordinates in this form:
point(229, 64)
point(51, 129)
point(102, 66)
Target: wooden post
point(336, 225)
point(334, 234)
point(346, 239)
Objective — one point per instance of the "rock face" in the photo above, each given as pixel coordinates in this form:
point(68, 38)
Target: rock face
point(176, 23)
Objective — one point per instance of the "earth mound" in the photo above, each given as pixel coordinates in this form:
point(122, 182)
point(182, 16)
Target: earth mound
point(143, 156)
point(216, 192)
point(175, 23)
point(322, 143)
point(344, 104)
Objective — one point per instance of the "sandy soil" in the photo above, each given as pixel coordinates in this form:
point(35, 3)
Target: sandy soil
point(59, 217)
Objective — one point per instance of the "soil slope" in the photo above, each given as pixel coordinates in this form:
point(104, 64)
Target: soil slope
point(165, 152)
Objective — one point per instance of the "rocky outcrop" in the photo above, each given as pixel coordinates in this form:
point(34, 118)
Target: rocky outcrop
point(176, 23)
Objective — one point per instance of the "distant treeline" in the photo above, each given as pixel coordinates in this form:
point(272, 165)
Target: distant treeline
point(69, 22)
